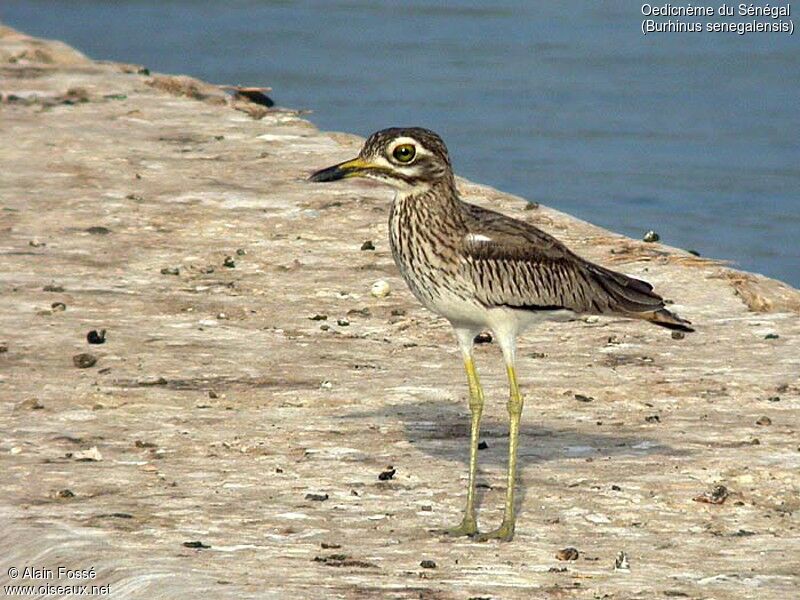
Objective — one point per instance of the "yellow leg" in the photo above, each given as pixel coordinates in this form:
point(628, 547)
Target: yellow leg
point(469, 525)
point(506, 530)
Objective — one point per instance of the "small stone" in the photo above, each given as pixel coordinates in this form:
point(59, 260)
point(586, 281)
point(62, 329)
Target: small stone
point(621, 562)
point(34, 243)
point(58, 306)
point(398, 312)
point(427, 564)
point(212, 394)
point(3, 347)
point(53, 288)
point(324, 327)
point(368, 245)
point(771, 336)
point(651, 236)
point(318, 318)
point(170, 271)
point(482, 445)
point(764, 420)
point(380, 289)
point(96, 337)
point(342, 322)
point(317, 497)
point(241, 252)
point(583, 398)
point(531, 206)
point(483, 338)
point(84, 360)
point(774, 399)
point(717, 495)
point(196, 544)
point(330, 546)
point(65, 493)
point(652, 419)
point(326, 385)
point(90, 455)
point(359, 312)
point(678, 335)
point(97, 230)
point(387, 473)
point(30, 404)
point(592, 319)
point(616, 488)
point(568, 553)
point(229, 262)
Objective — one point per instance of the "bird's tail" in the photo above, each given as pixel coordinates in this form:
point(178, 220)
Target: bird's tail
point(665, 318)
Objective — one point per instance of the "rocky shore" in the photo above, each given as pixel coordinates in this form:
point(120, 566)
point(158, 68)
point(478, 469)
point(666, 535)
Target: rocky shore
point(200, 395)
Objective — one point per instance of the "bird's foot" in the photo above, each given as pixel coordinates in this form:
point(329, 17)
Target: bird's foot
point(504, 533)
point(468, 527)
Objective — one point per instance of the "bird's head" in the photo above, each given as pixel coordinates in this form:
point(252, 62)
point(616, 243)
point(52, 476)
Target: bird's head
point(410, 159)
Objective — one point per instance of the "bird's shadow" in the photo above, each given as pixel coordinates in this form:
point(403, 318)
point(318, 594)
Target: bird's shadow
point(441, 430)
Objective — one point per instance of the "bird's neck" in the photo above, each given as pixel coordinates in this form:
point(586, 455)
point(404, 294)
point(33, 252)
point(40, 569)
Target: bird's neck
point(438, 196)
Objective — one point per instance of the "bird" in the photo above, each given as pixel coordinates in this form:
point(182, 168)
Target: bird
point(481, 269)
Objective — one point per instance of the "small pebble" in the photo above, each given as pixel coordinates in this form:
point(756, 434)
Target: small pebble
point(170, 271)
point(764, 421)
point(482, 445)
point(53, 288)
point(212, 394)
point(96, 337)
point(717, 495)
point(483, 338)
point(368, 245)
point(84, 360)
point(380, 289)
point(387, 473)
point(342, 322)
point(774, 399)
point(326, 385)
point(568, 553)
point(241, 252)
point(651, 236)
point(65, 493)
point(318, 318)
point(196, 544)
point(771, 336)
point(531, 206)
point(317, 497)
point(58, 306)
point(652, 419)
point(621, 562)
point(582, 398)
point(427, 564)
point(34, 243)
point(3, 347)
point(324, 327)
point(229, 262)
point(678, 335)
point(398, 312)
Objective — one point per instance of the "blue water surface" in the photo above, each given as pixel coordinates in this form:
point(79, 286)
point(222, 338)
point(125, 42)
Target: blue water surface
point(694, 135)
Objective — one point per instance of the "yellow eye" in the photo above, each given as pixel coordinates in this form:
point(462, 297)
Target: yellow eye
point(404, 153)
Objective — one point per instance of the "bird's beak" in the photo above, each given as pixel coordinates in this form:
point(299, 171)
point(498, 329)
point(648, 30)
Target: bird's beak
point(350, 168)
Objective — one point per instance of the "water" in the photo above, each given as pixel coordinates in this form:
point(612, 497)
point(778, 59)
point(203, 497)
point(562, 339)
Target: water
point(693, 135)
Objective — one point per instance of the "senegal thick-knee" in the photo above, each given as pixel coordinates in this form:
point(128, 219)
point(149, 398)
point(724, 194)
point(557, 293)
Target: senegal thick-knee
point(480, 270)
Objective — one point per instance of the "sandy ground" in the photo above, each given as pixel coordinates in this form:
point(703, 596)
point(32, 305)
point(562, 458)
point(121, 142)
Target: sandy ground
point(229, 438)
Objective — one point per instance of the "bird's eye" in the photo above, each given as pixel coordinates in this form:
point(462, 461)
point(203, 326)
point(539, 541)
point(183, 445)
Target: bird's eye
point(404, 153)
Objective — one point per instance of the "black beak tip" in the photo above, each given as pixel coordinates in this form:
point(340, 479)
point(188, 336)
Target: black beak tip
point(329, 174)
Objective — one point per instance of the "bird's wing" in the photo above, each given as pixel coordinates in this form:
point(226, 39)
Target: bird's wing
point(512, 263)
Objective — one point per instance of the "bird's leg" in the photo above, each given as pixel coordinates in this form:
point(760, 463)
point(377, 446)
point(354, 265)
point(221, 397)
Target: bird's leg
point(469, 525)
point(506, 530)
